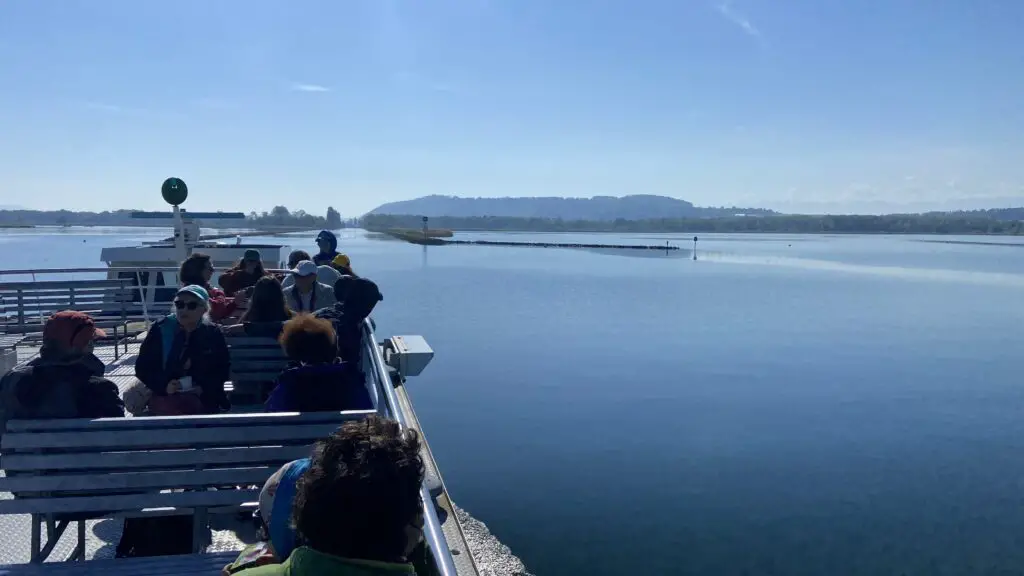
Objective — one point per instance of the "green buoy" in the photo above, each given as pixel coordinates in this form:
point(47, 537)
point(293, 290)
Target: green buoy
point(174, 191)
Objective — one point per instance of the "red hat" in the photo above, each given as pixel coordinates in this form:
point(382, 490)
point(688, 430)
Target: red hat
point(72, 329)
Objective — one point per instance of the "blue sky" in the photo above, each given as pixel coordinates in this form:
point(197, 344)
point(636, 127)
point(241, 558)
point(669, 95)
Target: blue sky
point(802, 105)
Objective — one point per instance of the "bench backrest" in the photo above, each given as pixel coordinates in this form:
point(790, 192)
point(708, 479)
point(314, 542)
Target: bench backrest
point(255, 359)
point(125, 465)
point(26, 303)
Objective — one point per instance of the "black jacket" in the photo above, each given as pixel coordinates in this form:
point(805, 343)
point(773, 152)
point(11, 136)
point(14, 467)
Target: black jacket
point(69, 387)
point(358, 297)
point(158, 362)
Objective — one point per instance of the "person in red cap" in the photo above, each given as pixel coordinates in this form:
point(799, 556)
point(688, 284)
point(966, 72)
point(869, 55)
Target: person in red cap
point(65, 380)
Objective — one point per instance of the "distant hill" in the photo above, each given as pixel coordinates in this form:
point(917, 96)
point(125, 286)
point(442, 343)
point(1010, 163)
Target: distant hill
point(598, 208)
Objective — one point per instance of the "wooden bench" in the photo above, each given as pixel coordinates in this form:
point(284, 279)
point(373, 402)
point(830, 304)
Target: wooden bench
point(24, 306)
point(255, 363)
point(122, 467)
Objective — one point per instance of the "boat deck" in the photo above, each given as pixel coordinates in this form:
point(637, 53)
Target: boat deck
point(103, 535)
point(229, 533)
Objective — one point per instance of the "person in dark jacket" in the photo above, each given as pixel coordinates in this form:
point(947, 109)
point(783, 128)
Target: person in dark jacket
point(328, 244)
point(356, 298)
point(185, 353)
point(245, 274)
point(65, 380)
point(316, 381)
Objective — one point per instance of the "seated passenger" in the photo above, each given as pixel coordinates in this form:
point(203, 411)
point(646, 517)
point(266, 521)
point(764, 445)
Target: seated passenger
point(65, 380)
point(316, 381)
point(325, 275)
point(343, 264)
point(294, 257)
point(185, 355)
point(357, 509)
point(267, 311)
point(307, 293)
point(276, 534)
point(245, 274)
point(356, 298)
point(328, 244)
point(197, 270)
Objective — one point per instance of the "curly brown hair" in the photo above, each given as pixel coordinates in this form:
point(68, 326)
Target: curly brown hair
point(308, 339)
point(361, 491)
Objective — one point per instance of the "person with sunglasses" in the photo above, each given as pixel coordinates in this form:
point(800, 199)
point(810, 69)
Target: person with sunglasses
point(65, 380)
point(185, 357)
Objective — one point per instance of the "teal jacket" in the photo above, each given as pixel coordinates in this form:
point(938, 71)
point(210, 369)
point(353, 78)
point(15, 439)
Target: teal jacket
point(308, 562)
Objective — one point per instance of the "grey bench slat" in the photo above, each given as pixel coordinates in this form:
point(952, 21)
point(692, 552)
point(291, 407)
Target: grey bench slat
point(150, 460)
point(260, 365)
point(252, 341)
point(257, 353)
point(258, 376)
point(137, 480)
point(160, 565)
point(127, 502)
point(174, 422)
point(155, 439)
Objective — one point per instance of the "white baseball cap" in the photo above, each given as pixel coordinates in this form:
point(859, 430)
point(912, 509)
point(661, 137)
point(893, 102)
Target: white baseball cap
point(304, 268)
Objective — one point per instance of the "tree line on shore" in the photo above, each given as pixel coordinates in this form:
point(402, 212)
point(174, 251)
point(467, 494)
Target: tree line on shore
point(975, 222)
point(279, 216)
point(932, 223)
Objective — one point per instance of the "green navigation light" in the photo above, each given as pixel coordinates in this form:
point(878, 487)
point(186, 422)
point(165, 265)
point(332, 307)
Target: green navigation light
point(174, 191)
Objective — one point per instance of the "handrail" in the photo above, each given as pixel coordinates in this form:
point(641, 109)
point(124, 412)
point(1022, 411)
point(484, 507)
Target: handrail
point(435, 536)
point(28, 271)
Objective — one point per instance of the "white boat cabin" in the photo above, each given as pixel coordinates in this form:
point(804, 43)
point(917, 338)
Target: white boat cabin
point(154, 265)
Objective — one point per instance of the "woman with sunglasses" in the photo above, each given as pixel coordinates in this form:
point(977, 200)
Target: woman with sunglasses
point(184, 359)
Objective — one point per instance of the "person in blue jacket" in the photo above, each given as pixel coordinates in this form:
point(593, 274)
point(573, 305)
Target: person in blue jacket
point(328, 244)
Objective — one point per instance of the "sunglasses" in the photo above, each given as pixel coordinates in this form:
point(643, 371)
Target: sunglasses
point(182, 305)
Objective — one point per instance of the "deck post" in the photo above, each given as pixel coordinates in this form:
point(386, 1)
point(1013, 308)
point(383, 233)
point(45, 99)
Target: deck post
point(37, 538)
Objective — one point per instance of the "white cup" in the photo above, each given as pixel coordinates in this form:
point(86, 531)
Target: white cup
point(186, 383)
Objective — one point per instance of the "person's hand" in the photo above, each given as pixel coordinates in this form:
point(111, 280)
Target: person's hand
point(173, 386)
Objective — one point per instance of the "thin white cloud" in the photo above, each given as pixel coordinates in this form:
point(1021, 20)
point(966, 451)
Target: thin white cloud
point(732, 15)
point(299, 87)
point(443, 87)
point(102, 106)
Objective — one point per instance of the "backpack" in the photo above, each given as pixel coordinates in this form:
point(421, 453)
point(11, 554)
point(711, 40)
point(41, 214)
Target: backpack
point(159, 536)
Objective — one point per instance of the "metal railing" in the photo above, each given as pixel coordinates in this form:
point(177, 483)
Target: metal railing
point(142, 288)
point(432, 525)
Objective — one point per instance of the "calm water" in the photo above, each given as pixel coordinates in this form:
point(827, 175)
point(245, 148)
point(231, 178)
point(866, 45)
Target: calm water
point(784, 405)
